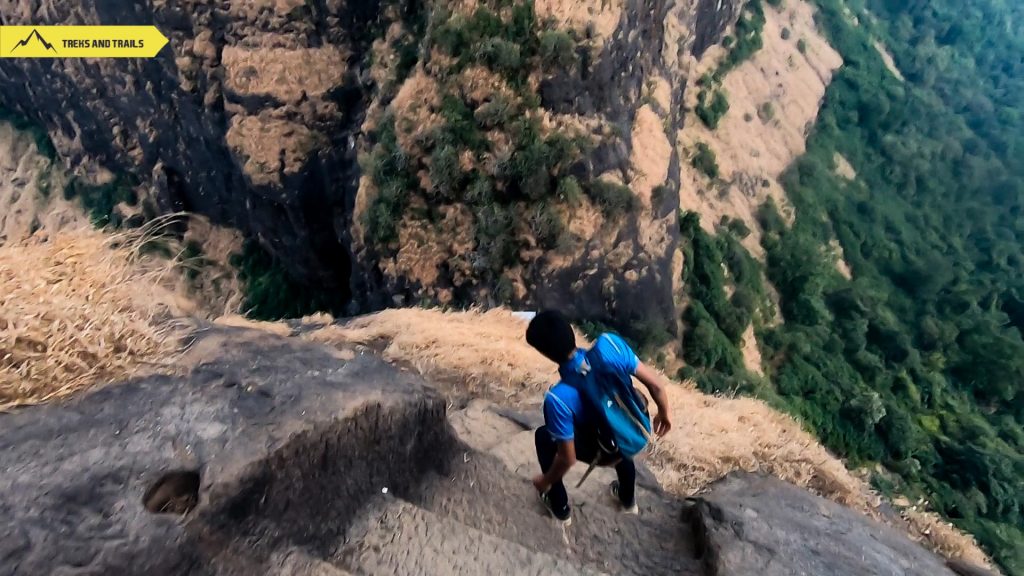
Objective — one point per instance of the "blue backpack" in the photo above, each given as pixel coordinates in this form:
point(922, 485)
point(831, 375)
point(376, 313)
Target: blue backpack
point(606, 384)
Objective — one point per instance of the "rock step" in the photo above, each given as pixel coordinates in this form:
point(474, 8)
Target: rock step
point(509, 436)
point(299, 563)
point(395, 537)
point(480, 491)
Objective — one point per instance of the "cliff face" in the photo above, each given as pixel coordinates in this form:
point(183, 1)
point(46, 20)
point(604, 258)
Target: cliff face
point(256, 112)
point(244, 117)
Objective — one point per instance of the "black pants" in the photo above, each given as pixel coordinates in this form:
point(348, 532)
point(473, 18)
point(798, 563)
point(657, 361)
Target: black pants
point(586, 451)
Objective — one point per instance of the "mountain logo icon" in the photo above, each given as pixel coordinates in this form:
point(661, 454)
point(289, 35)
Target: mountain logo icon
point(35, 33)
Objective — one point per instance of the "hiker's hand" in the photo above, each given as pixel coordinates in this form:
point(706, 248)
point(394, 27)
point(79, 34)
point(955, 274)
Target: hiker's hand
point(541, 483)
point(662, 424)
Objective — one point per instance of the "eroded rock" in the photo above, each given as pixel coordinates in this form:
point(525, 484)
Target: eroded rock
point(268, 444)
point(753, 524)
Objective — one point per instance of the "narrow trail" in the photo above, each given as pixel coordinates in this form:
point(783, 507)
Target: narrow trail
point(478, 514)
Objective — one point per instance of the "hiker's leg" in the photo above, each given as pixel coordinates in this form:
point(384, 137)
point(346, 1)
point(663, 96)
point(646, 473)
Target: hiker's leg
point(626, 471)
point(547, 448)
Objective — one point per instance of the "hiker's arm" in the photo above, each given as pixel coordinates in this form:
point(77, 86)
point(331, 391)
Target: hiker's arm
point(656, 386)
point(564, 459)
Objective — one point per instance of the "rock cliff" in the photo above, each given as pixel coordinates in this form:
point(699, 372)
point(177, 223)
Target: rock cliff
point(258, 111)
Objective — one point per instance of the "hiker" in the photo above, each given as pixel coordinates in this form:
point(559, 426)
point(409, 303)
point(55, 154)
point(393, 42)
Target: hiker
point(575, 427)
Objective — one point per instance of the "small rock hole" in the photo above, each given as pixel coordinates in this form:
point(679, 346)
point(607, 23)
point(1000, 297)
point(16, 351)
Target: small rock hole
point(174, 493)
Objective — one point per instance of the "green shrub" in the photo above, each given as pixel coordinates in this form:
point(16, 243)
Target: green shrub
point(659, 193)
point(460, 128)
point(650, 336)
point(496, 244)
point(569, 190)
point(705, 161)
point(705, 346)
point(710, 111)
point(408, 51)
point(557, 49)
point(484, 23)
point(527, 171)
point(272, 294)
point(101, 200)
point(786, 33)
point(501, 56)
point(705, 279)
point(451, 36)
point(736, 227)
point(801, 46)
point(612, 198)
point(480, 190)
point(37, 131)
point(385, 211)
point(390, 171)
point(766, 112)
point(445, 173)
point(545, 225)
point(748, 38)
point(497, 112)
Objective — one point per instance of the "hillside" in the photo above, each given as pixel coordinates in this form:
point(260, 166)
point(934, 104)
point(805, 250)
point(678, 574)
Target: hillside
point(813, 204)
point(470, 357)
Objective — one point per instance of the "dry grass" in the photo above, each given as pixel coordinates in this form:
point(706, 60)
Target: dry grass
point(752, 146)
point(270, 147)
point(80, 308)
point(287, 74)
point(602, 17)
point(484, 354)
point(480, 350)
point(651, 156)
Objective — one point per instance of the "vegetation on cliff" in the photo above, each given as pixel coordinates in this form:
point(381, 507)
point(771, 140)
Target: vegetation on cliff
point(712, 101)
point(918, 361)
point(490, 150)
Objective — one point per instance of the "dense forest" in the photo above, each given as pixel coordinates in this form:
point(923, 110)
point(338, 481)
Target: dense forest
point(918, 361)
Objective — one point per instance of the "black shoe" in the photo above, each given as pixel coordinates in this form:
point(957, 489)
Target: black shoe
point(632, 508)
point(565, 517)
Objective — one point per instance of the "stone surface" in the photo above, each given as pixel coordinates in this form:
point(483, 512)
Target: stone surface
point(752, 524)
point(600, 537)
point(288, 440)
point(398, 538)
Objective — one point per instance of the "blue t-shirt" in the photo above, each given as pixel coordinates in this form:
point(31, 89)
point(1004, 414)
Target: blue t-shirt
point(564, 409)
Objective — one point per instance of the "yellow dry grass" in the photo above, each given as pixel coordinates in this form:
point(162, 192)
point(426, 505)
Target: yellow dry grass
point(80, 308)
point(484, 354)
point(287, 74)
point(753, 146)
point(651, 156)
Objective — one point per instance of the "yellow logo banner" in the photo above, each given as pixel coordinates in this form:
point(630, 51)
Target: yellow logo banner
point(80, 41)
